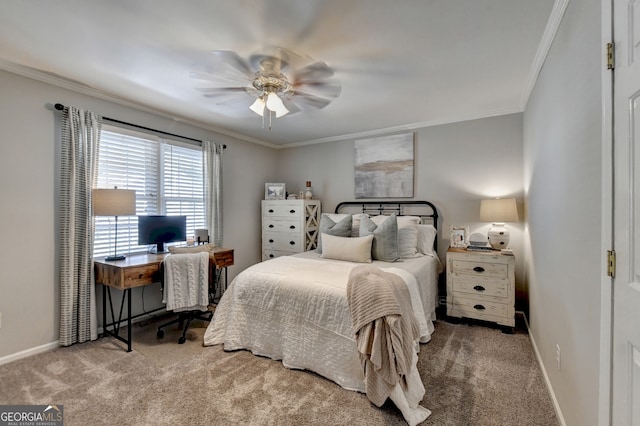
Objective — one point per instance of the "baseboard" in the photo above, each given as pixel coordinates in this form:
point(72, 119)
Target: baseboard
point(49, 346)
point(552, 395)
point(28, 352)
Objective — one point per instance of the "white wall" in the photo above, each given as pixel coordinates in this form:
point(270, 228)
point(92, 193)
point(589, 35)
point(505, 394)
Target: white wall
point(562, 140)
point(29, 303)
point(456, 165)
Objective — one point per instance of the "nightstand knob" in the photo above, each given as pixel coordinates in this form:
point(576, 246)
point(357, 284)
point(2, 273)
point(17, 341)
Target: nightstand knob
point(479, 288)
point(478, 269)
point(479, 307)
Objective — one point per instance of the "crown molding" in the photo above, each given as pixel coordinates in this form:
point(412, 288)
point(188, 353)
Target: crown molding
point(405, 127)
point(77, 87)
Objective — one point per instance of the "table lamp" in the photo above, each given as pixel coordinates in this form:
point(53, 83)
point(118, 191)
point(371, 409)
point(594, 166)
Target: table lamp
point(498, 211)
point(114, 202)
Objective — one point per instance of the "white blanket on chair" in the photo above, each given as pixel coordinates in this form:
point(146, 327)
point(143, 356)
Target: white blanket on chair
point(186, 281)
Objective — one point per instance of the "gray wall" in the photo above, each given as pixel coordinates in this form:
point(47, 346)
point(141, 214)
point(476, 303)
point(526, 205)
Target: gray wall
point(28, 283)
point(456, 165)
point(563, 174)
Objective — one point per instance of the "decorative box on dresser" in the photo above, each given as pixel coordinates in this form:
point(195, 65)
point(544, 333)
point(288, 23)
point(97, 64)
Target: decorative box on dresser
point(481, 285)
point(289, 226)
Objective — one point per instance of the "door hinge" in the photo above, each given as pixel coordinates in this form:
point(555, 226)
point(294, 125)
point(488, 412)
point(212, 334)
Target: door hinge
point(611, 263)
point(611, 58)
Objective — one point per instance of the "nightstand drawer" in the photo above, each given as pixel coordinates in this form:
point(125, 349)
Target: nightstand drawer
point(495, 270)
point(282, 242)
point(475, 308)
point(481, 286)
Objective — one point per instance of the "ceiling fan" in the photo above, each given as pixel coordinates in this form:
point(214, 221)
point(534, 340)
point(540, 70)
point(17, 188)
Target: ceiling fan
point(280, 82)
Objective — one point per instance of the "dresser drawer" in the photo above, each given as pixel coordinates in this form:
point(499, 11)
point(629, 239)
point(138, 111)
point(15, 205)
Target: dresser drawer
point(283, 209)
point(478, 285)
point(293, 225)
point(272, 254)
point(282, 242)
point(480, 309)
point(494, 270)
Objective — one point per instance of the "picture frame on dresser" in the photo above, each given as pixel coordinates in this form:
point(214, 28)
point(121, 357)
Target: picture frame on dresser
point(458, 236)
point(274, 191)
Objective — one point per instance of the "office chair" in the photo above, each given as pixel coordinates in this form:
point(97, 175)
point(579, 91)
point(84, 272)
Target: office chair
point(186, 290)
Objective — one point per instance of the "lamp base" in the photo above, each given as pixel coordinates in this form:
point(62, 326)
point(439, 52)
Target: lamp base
point(499, 236)
point(113, 258)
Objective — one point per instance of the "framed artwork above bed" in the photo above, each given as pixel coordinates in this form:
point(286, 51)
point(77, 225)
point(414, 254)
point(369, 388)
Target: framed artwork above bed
point(383, 167)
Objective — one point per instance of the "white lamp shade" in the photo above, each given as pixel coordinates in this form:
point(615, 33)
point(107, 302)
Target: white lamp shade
point(258, 107)
point(275, 104)
point(114, 202)
point(499, 210)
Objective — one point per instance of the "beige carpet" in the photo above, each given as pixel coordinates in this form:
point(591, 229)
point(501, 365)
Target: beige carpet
point(474, 375)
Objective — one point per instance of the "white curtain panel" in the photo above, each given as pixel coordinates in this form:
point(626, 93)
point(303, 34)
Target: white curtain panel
point(80, 136)
point(212, 156)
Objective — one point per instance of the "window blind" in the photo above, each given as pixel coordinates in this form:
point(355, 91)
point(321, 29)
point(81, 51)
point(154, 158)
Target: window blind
point(166, 175)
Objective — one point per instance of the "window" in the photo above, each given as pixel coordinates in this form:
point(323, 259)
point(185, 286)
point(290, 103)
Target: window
point(167, 176)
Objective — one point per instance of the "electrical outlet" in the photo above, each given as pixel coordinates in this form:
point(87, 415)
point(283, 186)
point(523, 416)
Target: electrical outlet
point(558, 358)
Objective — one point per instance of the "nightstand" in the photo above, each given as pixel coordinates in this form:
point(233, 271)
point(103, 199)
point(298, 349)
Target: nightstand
point(481, 286)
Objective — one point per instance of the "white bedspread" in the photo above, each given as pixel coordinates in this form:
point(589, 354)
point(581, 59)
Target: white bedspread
point(294, 309)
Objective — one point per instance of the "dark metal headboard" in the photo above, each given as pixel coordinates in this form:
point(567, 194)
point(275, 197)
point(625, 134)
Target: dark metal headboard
point(424, 209)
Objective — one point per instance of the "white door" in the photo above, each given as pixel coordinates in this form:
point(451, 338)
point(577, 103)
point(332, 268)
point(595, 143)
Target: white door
point(626, 291)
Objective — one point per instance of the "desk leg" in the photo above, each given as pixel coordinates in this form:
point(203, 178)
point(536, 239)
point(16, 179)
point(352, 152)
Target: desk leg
point(128, 295)
point(104, 310)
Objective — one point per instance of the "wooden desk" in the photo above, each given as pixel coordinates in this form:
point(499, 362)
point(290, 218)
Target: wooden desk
point(139, 270)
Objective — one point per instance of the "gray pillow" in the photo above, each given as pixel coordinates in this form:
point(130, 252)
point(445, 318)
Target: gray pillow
point(385, 238)
point(328, 226)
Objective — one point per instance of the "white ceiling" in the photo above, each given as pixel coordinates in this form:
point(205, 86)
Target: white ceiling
point(402, 64)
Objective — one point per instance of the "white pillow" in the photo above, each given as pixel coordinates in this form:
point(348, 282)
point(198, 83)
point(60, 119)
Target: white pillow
point(351, 249)
point(426, 236)
point(408, 242)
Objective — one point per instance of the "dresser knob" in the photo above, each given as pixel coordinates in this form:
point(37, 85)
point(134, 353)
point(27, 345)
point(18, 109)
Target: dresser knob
point(270, 226)
point(478, 269)
point(292, 211)
point(270, 210)
point(479, 307)
point(479, 288)
point(292, 227)
point(271, 240)
point(271, 255)
point(293, 243)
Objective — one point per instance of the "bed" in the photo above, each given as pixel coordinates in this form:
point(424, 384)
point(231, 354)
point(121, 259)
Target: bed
point(294, 308)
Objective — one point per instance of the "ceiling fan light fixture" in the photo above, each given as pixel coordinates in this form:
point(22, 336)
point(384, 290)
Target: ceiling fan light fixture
point(275, 104)
point(258, 107)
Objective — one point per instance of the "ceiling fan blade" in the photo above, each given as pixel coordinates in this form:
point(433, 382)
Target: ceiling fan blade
point(219, 78)
point(311, 100)
point(313, 72)
point(290, 105)
point(320, 89)
point(233, 59)
point(214, 90)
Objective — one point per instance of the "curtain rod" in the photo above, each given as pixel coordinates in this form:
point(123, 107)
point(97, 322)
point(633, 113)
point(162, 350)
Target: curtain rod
point(60, 107)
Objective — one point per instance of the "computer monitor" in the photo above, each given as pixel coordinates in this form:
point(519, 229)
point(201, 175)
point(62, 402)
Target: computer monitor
point(161, 229)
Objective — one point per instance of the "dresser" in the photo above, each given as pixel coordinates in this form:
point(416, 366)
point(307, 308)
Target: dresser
point(481, 286)
point(289, 226)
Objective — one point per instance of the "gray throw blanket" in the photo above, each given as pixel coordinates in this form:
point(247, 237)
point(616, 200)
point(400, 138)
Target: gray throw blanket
point(385, 327)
